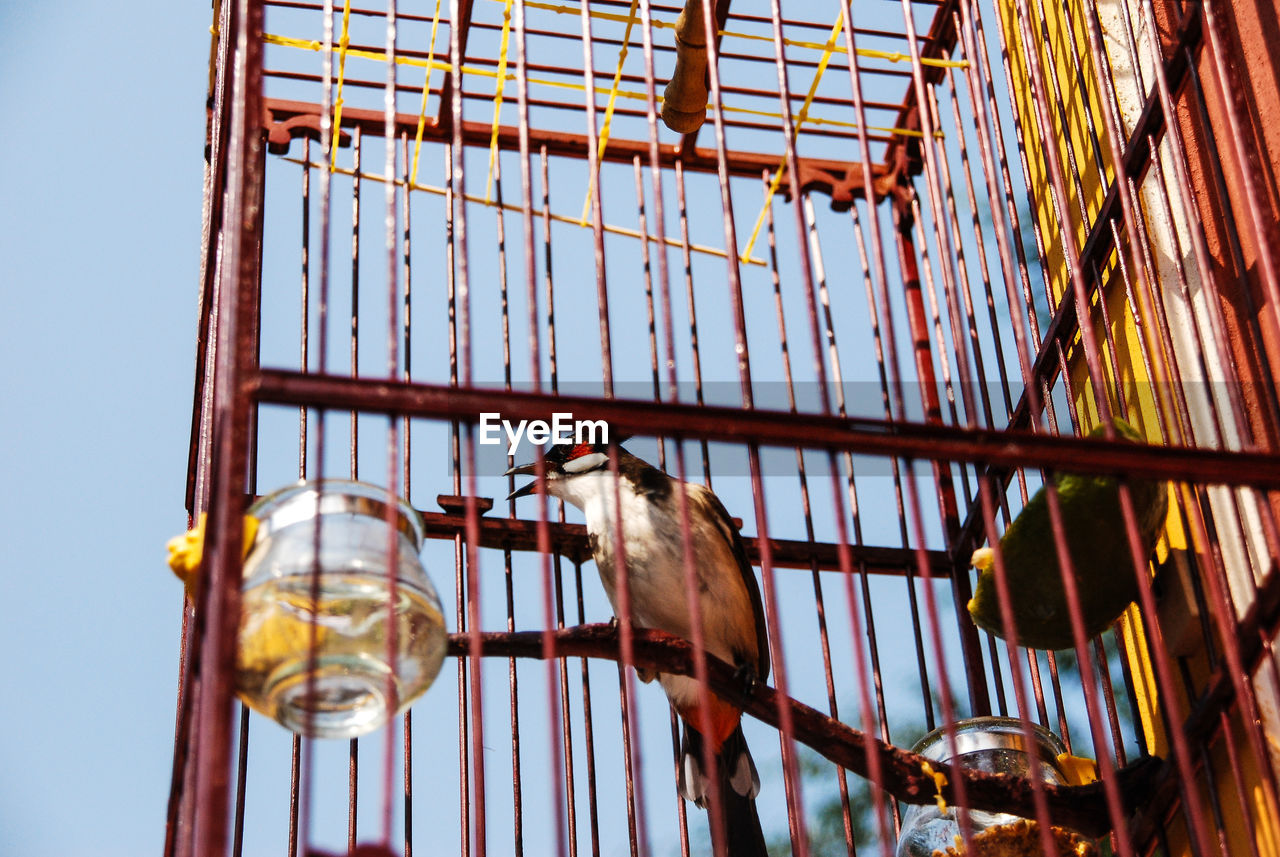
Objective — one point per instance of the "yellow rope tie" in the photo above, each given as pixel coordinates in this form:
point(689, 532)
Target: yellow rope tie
point(430, 63)
point(559, 218)
point(608, 112)
point(630, 18)
point(343, 42)
point(939, 782)
point(870, 53)
point(497, 98)
point(800, 120)
point(426, 91)
point(835, 123)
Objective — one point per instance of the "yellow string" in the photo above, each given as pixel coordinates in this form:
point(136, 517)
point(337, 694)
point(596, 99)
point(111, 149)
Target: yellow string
point(835, 123)
point(939, 782)
point(608, 113)
point(497, 97)
point(343, 42)
point(378, 56)
point(426, 90)
point(800, 120)
point(890, 56)
point(559, 218)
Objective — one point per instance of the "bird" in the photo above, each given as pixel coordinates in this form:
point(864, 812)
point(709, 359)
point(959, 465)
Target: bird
point(733, 620)
point(1099, 549)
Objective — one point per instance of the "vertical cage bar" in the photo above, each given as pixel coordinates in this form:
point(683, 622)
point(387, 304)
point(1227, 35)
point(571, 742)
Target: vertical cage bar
point(218, 597)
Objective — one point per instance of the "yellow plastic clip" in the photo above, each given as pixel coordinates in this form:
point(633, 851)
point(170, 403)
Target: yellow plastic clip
point(939, 781)
point(1078, 770)
point(186, 552)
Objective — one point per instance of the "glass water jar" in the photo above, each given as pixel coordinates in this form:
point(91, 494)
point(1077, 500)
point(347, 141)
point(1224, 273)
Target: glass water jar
point(994, 745)
point(352, 681)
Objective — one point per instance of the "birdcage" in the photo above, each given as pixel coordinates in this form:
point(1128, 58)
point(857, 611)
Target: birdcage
point(913, 268)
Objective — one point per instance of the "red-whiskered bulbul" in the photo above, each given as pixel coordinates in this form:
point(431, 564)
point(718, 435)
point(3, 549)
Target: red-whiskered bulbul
point(733, 625)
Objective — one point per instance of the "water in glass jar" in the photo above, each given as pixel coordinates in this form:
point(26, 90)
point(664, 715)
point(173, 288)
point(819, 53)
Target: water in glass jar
point(347, 686)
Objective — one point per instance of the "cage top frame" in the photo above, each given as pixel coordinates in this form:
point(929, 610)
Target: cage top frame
point(495, 39)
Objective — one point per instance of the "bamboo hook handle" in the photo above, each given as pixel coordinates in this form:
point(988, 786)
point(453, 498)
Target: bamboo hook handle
point(684, 102)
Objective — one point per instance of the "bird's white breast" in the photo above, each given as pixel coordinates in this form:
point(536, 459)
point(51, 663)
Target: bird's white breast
point(655, 563)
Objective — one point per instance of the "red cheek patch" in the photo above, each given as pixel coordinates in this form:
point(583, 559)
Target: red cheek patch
point(579, 451)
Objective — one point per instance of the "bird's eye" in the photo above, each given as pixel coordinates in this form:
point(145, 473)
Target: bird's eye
point(583, 463)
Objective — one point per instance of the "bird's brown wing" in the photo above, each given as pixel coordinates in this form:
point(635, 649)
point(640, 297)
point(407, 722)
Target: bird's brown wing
point(715, 511)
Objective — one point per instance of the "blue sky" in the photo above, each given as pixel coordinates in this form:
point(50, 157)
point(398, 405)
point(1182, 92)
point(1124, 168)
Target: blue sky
point(99, 240)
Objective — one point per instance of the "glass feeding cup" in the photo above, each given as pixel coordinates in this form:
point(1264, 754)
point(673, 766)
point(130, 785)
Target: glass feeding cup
point(318, 574)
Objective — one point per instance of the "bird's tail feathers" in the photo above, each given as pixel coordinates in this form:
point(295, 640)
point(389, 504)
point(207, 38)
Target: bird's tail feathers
point(739, 784)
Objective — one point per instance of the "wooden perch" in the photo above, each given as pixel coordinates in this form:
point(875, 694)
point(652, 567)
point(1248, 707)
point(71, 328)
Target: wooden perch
point(684, 101)
point(1081, 808)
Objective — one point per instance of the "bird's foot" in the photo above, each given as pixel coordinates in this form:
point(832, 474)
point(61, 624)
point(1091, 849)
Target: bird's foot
point(747, 679)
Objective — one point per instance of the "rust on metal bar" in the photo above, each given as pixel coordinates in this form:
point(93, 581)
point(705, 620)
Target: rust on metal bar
point(779, 428)
point(905, 156)
point(948, 509)
point(842, 181)
point(180, 811)
point(234, 343)
point(834, 132)
point(444, 119)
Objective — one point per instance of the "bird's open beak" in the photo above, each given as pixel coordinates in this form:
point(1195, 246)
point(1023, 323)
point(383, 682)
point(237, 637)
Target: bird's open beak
point(523, 470)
